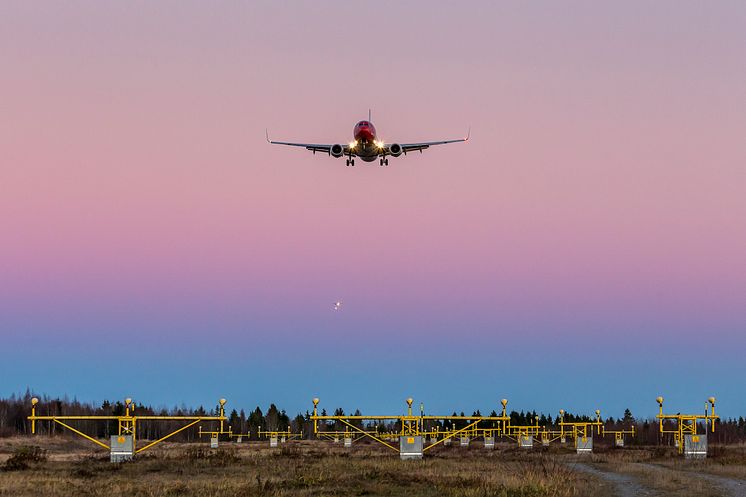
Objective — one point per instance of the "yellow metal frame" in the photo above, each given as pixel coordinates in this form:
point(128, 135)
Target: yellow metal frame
point(287, 434)
point(619, 434)
point(453, 434)
point(411, 425)
point(473, 432)
point(548, 436)
point(221, 429)
point(580, 429)
point(517, 433)
point(686, 424)
point(127, 423)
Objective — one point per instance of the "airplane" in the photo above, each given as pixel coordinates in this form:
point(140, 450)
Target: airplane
point(366, 146)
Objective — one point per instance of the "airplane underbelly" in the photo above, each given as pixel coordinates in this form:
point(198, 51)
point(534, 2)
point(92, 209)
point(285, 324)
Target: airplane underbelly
point(368, 154)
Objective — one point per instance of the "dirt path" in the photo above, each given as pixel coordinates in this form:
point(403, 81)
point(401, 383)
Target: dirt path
point(732, 487)
point(624, 486)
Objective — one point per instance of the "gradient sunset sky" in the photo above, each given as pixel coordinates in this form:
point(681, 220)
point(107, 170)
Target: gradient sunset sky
point(585, 249)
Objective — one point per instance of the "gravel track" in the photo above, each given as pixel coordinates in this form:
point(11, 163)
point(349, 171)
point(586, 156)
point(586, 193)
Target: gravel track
point(624, 486)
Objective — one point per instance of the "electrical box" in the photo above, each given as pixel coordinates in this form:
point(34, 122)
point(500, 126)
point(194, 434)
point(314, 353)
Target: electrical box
point(273, 441)
point(489, 442)
point(464, 441)
point(584, 445)
point(213, 442)
point(695, 446)
point(122, 448)
point(526, 441)
point(410, 447)
point(348, 442)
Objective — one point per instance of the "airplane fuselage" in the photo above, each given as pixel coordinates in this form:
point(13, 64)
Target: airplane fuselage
point(366, 148)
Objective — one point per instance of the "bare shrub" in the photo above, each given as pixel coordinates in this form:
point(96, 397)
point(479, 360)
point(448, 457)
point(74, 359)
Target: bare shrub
point(223, 457)
point(196, 453)
point(290, 451)
point(24, 456)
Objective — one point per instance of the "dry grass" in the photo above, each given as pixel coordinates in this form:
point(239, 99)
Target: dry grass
point(302, 469)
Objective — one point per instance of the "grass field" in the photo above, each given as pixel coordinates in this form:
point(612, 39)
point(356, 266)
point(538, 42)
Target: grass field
point(319, 468)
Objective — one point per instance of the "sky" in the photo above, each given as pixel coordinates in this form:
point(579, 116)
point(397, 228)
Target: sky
point(585, 249)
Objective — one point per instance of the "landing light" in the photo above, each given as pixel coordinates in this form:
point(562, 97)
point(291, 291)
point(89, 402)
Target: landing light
point(353, 144)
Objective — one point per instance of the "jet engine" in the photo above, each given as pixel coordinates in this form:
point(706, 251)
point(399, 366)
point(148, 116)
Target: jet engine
point(395, 150)
point(337, 150)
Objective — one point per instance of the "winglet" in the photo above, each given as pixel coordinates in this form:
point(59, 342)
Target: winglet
point(266, 132)
point(369, 113)
point(468, 134)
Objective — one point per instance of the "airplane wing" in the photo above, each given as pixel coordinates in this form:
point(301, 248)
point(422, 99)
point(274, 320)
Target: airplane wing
point(415, 147)
point(313, 147)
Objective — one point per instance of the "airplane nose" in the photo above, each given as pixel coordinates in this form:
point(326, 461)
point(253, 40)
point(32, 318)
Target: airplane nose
point(365, 134)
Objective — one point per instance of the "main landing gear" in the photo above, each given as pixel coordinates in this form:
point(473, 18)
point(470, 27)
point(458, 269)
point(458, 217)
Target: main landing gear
point(350, 162)
point(384, 162)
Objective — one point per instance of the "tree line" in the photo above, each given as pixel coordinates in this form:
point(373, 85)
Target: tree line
point(15, 410)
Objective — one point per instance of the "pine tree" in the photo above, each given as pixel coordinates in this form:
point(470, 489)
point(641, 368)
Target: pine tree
point(628, 418)
point(272, 418)
point(256, 421)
